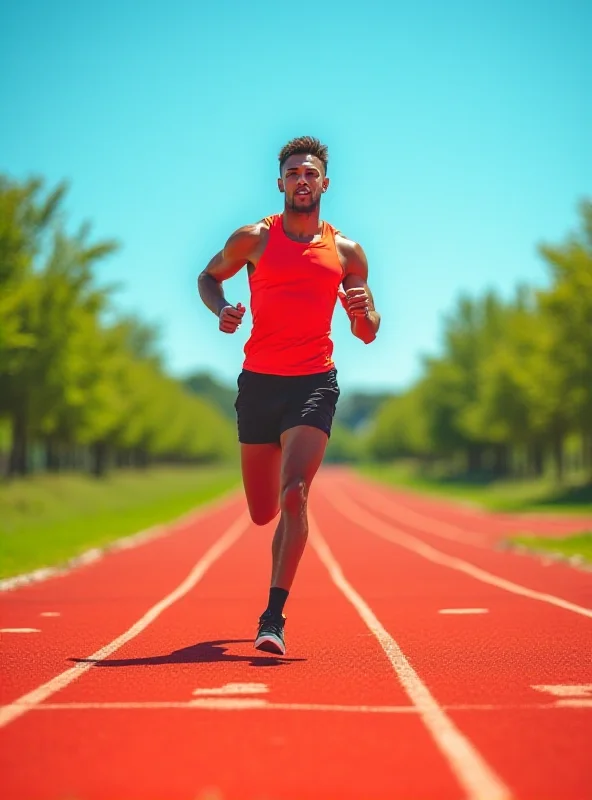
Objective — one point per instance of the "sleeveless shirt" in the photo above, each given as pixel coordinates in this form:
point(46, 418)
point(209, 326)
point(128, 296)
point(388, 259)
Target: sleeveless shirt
point(293, 295)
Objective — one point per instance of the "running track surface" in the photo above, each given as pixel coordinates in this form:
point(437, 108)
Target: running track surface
point(139, 678)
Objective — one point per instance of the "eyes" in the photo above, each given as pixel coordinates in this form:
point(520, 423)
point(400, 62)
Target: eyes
point(311, 174)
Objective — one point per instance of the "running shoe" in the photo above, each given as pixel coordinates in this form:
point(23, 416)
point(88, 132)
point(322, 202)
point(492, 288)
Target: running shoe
point(270, 636)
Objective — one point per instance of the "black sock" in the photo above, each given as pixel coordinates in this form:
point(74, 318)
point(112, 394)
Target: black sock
point(277, 601)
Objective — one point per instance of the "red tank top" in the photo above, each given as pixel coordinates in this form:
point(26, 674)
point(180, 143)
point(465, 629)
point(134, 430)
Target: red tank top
point(293, 295)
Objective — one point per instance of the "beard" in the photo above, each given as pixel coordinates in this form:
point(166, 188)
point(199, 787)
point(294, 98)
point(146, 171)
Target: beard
point(309, 208)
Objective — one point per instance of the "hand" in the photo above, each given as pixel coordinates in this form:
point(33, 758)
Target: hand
point(231, 317)
point(358, 302)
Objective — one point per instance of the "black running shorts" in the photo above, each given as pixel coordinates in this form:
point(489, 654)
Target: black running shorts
point(268, 405)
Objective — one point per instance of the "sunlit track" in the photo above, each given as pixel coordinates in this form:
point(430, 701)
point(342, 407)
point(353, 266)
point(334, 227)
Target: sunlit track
point(22, 705)
point(403, 677)
point(474, 774)
point(398, 512)
point(471, 525)
point(353, 511)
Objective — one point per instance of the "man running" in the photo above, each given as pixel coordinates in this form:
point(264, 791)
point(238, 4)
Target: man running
point(287, 390)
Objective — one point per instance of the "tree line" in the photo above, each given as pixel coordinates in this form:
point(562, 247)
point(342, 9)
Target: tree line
point(511, 390)
point(79, 386)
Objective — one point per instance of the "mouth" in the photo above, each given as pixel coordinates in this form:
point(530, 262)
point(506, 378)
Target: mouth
point(302, 192)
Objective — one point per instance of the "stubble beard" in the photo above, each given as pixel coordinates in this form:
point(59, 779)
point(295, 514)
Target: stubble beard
point(307, 209)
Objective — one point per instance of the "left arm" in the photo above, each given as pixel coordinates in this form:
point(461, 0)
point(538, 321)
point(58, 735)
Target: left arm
point(358, 300)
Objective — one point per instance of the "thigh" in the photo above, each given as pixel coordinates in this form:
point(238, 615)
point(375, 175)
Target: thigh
point(303, 449)
point(260, 465)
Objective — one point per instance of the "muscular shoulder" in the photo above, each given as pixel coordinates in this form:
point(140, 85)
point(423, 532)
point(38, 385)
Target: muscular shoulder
point(247, 240)
point(351, 255)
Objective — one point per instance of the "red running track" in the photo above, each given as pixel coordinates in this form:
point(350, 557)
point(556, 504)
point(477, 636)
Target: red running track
point(144, 682)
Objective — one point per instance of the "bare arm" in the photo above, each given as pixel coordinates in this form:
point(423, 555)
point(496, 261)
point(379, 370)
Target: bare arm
point(365, 320)
point(238, 251)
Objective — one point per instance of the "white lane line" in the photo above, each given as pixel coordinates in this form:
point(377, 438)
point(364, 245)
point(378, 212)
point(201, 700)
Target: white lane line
point(125, 543)
point(461, 611)
point(236, 704)
point(567, 690)
point(257, 704)
point(473, 773)
point(10, 712)
point(20, 630)
point(227, 704)
point(365, 519)
point(50, 614)
point(403, 514)
point(575, 702)
point(235, 688)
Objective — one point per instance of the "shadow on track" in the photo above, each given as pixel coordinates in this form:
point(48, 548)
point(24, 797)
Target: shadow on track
point(201, 653)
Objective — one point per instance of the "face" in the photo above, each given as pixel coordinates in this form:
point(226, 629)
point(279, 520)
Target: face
point(303, 181)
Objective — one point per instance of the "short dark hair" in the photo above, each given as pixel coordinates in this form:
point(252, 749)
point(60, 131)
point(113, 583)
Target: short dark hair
point(305, 145)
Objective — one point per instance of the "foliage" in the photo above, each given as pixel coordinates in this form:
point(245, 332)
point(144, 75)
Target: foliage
point(358, 409)
point(514, 380)
point(343, 446)
point(222, 396)
point(89, 393)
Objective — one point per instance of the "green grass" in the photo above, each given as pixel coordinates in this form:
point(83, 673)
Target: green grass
point(45, 520)
point(578, 545)
point(540, 496)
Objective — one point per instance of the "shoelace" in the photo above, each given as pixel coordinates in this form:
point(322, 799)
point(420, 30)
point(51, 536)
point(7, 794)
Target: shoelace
point(269, 626)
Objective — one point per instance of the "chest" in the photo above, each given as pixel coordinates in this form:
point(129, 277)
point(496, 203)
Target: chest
point(302, 265)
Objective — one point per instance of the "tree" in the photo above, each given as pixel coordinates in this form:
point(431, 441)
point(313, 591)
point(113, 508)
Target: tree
point(204, 385)
point(66, 378)
point(26, 216)
point(43, 381)
point(567, 309)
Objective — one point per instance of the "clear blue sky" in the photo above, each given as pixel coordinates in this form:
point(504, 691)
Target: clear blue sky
point(459, 136)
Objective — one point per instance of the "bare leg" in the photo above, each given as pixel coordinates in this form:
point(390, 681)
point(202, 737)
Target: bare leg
point(260, 465)
point(303, 448)
point(276, 544)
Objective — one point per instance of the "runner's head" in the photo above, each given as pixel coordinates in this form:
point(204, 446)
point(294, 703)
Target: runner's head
point(303, 169)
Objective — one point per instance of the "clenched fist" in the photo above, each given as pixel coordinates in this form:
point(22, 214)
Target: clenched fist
point(231, 317)
point(357, 302)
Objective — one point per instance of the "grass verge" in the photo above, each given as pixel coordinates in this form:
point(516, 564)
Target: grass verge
point(45, 520)
point(540, 496)
point(579, 545)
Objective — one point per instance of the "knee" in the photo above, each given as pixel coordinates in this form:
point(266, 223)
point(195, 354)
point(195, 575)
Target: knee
point(262, 516)
point(294, 494)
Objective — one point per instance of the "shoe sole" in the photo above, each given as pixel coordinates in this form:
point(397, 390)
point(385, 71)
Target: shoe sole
point(269, 644)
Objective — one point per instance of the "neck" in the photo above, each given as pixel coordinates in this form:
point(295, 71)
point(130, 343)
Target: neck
point(302, 226)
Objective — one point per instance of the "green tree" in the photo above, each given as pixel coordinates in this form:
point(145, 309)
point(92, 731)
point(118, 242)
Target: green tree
point(222, 396)
point(95, 394)
point(400, 428)
point(567, 309)
point(27, 214)
point(44, 382)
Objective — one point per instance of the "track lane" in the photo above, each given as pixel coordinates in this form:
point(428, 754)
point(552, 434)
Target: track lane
point(532, 572)
point(204, 642)
point(491, 525)
point(98, 601)
point(493, 659)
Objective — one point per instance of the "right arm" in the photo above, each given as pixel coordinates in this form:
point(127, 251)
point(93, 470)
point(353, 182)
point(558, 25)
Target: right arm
point(238, 250)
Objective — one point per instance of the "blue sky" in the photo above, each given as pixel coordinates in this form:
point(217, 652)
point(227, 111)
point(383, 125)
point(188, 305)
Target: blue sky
point(459, 137)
